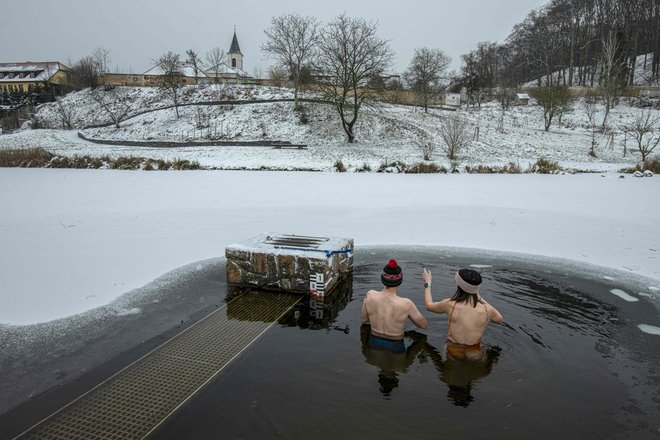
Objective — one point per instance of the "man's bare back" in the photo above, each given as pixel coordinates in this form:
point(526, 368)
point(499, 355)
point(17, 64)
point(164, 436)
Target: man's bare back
point(387, 313)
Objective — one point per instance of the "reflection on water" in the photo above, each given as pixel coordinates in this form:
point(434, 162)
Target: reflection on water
point(317, 312)
point(390, 360)
point(312, 312)
point(459, 375)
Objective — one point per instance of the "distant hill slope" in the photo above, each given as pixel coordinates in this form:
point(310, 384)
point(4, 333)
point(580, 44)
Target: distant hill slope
point(385, 132)
point(643, 76)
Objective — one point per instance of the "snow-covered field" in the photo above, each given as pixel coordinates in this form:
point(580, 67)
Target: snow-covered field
point(73, 240)
point(385, 132)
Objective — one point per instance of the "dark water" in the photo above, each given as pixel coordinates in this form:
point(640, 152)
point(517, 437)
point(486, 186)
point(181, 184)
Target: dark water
point(569, 363)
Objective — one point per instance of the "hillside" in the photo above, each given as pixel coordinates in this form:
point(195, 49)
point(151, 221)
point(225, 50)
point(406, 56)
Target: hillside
point(385, 132)
point(642, 77)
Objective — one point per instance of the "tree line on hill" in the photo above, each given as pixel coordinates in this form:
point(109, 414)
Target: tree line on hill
point(571, 43)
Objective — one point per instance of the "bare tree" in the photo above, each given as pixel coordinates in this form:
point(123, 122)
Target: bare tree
point(455, 132)
point(102, 58)
point(65, 112)
point(553, 100)
point(646, 133)
point(611, 83)
point(350, 54)
point(505, 95)
point(194, 62)
point(426, 145)
point(277, 74)
point(86, 72)
point(589, 104)
point(114, 101)
point(171, 76)
point(215, 61)
point(424, 73)
point(291, 40)
point(479, 71)
point(394, 89)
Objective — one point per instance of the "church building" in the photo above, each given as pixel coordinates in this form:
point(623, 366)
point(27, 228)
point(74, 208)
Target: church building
point(235, 56)
point(229, 71)
point(233, 70)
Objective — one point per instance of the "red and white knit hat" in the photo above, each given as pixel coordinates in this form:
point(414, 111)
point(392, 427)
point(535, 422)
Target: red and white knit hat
point(392, 275)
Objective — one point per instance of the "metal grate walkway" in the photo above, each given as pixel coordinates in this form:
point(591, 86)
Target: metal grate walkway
point(133, 402)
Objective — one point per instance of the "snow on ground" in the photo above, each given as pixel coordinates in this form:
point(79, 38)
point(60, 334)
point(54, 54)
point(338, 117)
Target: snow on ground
point(73, 240)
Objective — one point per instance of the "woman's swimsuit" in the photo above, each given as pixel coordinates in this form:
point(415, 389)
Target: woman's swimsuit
point(460, 351)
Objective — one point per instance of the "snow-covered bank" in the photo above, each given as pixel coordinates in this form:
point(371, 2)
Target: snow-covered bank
point(72, 240)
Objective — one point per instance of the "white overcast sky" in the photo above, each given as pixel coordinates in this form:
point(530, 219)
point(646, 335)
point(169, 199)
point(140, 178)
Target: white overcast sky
point(139, 31)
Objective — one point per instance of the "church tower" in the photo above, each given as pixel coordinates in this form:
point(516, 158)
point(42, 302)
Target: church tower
point(234, 56)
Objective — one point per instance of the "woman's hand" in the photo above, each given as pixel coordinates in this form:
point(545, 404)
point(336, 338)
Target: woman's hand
point(426, 276)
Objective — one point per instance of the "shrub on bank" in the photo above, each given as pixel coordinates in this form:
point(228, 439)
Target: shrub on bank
point(339, 166)
point(127, 163)
point(183, 164)
point(544, 166)
point(365, 168)
point(510, 168)
point(425, 168)
point(25, 157)
point(652, 164)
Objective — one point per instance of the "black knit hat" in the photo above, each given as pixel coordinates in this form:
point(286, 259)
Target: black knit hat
point(392, 275)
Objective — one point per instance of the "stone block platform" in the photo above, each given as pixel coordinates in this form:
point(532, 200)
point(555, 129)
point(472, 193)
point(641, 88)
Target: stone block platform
point(292, 263)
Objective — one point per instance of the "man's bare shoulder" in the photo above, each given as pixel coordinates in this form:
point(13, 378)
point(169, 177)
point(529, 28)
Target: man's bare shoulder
point(408, 302)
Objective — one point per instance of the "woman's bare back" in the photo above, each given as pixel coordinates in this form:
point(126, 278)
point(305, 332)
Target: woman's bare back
point(466, 324)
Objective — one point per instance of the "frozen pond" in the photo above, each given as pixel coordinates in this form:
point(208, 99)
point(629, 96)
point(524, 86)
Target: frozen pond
point(576, 358)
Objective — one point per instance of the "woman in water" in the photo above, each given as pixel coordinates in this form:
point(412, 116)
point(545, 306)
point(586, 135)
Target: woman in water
point(468, 312)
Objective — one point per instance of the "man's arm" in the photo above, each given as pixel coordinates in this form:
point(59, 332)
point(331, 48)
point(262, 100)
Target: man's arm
point(364, 315)
point(416, 317)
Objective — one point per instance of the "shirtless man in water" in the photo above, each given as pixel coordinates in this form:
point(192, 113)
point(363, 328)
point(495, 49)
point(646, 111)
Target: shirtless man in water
point(387, 312)
point(469, 314)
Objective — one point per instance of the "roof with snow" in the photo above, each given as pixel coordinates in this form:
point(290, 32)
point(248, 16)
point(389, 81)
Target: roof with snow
point(522, 96)
point(225, 70)
point(187, 71)
point(234, 48)
point(24, 72)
